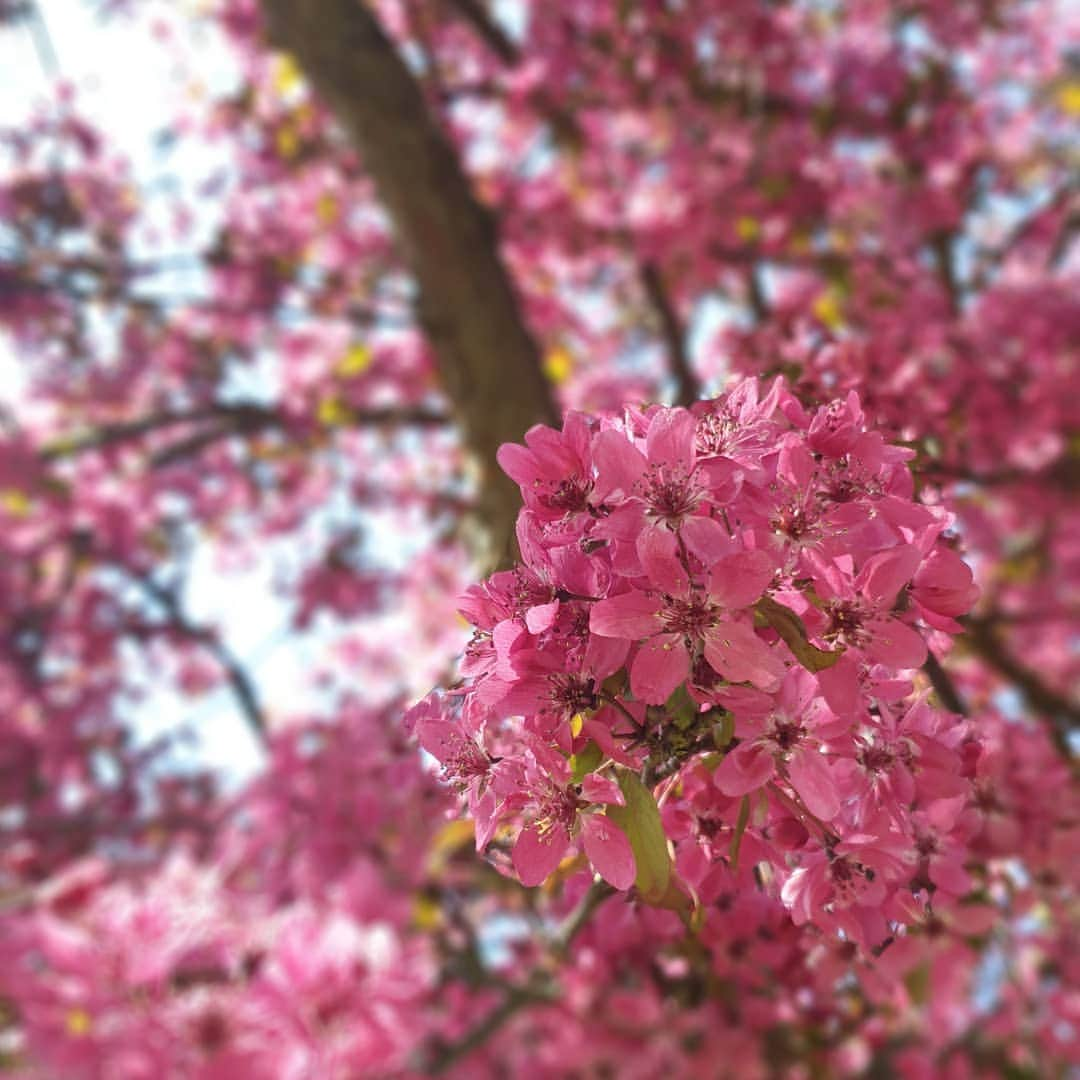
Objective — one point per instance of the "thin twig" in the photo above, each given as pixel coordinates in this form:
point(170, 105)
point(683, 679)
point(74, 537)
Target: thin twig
point(239, 681)
point(540, 991)
point(575, 922)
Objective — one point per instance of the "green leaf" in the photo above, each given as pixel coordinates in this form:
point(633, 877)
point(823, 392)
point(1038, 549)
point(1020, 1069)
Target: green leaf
point(917, 981)
point(792, 629)
point(585, 762)
point(640, 820)
point(688, 908)
point(615, 685)
point(723, 731)
point(681, 708)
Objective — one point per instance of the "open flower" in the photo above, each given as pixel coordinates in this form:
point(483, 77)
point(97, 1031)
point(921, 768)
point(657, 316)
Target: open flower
point(781, 736)
point(672, 619)
point(556, 811)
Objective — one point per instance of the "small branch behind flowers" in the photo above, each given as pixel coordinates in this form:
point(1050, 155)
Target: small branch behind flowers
point(540, 989)
point(943, 685)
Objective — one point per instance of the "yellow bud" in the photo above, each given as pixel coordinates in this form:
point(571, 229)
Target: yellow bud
point(333, 412)
point(426, 913)
point(1068, 97)
point(355, 362)
point(287, 142)
point(286, 74)
point(828, 308)
point(748, 228)
point(78, 1022)
point(326, 209)
point(558, 365)
point(577, 722)
point(16, 503)
point(453, 835)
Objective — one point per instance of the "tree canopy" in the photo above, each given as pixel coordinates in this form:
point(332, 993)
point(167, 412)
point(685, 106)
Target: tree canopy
point(658, 425)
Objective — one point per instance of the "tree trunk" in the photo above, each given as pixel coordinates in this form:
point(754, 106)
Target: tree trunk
point(488, 362)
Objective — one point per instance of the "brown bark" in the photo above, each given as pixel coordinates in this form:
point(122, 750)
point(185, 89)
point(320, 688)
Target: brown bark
point(687, 387)
point(488, 362)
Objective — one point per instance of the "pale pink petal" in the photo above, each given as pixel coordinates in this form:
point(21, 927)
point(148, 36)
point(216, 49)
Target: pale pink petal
point(482, 808)
point(602, 789)
point(886, 573)
point(608, 849)
point(744, 769)
point(813, 780)
point(796, 466)
point(671, 437)
point(706, 539)
point(725, 479)
point(540, 618)
point(536, 856)
point(658, 551)
point(440, 738)
point(893, 643)
point(604, 656)
point(630, 615)
point(619, 465)
point(840, 687)
point(949, 874)
point(736, 652)
point(518, 463)
point(738, 580)
point(944, 584)
point(661, 664)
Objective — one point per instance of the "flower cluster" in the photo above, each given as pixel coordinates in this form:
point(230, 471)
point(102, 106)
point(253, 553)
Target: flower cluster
point(707, 661)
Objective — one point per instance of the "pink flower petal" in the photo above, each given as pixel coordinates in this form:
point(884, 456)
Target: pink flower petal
point(745, 769)
point(657, 549)
point(618, 463)
point(736, 652)
point(840, 687)
point(608, 849)
point(811, 777)
point(706, 538)
point(518, 463)
point(536, 856)
point(886, 573)
point(671, 437)
point(661, 664)
point(602, 789)
point(738, 580)
point(630, 615)
point(540, 618)
point(893, 643)
point(949, 874)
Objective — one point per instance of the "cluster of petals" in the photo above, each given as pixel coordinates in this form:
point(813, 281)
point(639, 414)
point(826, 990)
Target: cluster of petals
point(729, 604)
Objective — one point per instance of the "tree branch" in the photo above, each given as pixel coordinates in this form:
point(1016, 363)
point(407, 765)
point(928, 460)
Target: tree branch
point(575, 922)
point(493, 35)
point(563, 122)
point(446, 1055)
point(227, 420)
point(538, 991)
point(487, 360)
point(688, 389)
point(943, 685)
point(127, 430)
point(1063, 715)
point(238, 679)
